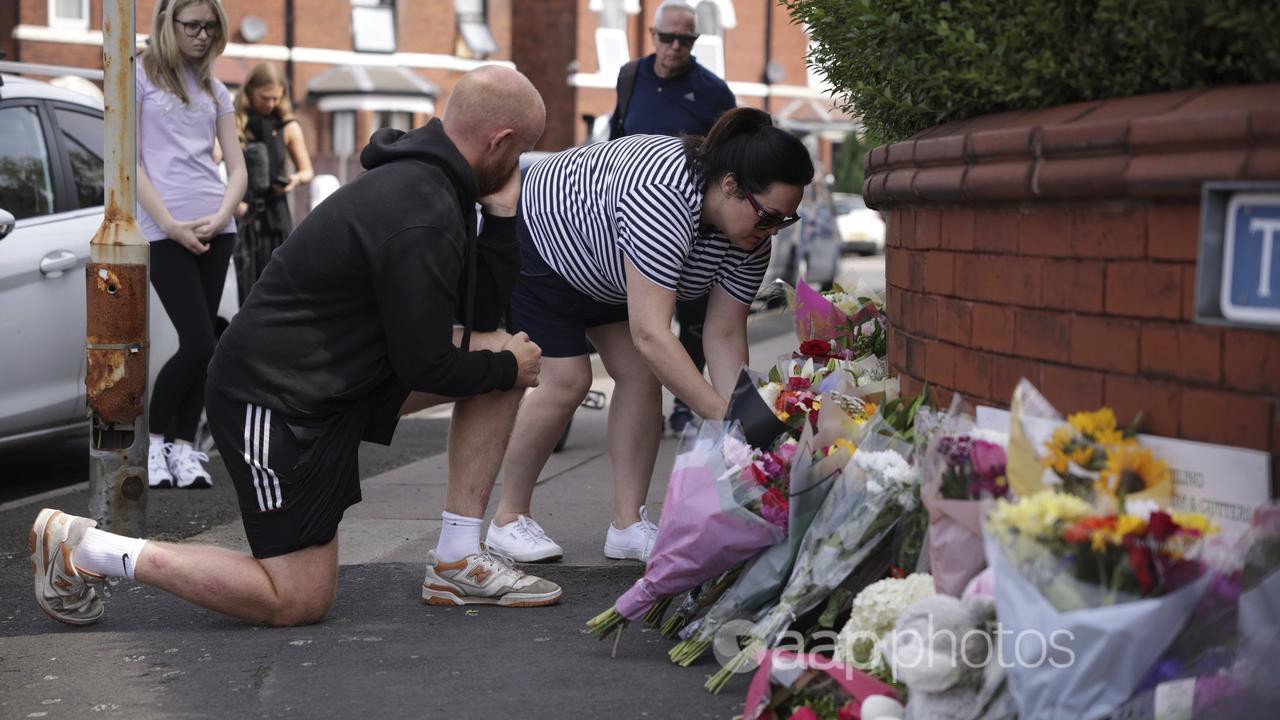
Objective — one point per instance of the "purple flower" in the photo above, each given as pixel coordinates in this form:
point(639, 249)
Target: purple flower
point(988, 459)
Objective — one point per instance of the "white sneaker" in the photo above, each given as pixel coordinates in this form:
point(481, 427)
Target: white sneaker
point(484, 579)
point(158, 475)
point(523, 541)
point(185, 464)
point(633, 543)
point(62, 590)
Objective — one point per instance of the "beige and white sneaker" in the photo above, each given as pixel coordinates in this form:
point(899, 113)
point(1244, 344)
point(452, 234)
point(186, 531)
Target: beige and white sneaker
point(62, 591)
point(484, 579)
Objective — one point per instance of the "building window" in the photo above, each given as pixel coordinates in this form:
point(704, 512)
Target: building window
point(344, 132)
point(398, 119)
point(474, 39)
point(373, 26)
point(612, 49)
point(710, 46)
point(69, 14)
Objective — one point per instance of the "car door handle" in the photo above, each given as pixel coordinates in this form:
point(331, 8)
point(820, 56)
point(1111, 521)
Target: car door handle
point(53, 264)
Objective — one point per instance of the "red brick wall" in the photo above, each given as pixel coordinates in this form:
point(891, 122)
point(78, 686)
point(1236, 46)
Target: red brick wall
point(543, 50)
point(1089, 297)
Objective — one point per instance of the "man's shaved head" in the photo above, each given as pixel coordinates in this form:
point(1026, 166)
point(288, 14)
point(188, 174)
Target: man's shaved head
point(493, 98)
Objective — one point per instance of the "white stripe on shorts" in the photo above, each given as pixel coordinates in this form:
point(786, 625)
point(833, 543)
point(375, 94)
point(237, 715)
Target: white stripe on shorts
point(257, 452)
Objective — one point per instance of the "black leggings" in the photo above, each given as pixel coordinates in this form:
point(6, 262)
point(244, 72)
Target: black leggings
point(190, 287)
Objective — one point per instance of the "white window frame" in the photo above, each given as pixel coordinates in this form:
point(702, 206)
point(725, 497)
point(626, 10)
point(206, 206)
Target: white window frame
point(709, 49)
point(612, 50)
point(373, 12)
point(70, 23)
point(346, 118)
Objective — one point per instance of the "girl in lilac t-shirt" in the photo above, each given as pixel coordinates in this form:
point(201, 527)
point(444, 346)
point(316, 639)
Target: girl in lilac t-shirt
point(186, 211)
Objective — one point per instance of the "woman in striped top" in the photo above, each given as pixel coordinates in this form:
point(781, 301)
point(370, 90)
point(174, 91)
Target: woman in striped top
point(611, 235)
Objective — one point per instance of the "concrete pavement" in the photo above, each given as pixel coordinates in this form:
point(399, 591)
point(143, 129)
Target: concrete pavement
point(381, 651)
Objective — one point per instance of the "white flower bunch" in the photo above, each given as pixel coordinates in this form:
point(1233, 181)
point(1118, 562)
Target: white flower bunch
point(875, 610)
point(888, 472)
point(848, 304)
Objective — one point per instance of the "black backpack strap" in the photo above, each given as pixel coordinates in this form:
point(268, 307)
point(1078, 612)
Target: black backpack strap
point(626, 86)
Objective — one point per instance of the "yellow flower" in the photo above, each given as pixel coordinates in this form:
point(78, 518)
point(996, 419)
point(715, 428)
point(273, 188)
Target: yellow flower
point(1082, 456)
point(1039, 515)
point(1195, 521)
point(1130, 525)
point(1099, 425)
point(1130, 469)
point(846, 444)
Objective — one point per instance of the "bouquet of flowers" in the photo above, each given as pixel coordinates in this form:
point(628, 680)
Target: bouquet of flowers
point(713, 519)
point(810, 687)
point(1103, 594)
point(961, 467)
point(852, 324)
point(875, 610)
point(813, 475)
point(858, 515)
point(1088, 455)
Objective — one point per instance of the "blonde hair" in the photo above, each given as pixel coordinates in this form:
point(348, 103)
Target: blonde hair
point(163, 59)
point(263, 75)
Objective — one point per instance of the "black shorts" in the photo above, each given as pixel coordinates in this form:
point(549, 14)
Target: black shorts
point(294, 478)
point(554, 313)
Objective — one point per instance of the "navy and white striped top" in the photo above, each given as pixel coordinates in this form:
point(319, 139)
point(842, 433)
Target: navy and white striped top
point(588, 207)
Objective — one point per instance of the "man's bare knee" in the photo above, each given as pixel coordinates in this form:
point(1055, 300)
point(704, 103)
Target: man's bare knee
point(301, 608)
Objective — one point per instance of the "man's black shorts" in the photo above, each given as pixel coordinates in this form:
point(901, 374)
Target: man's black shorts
point(554, 313)
point(294, 478)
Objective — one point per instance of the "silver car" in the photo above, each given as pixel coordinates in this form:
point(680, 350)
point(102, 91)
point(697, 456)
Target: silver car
point(51, 189)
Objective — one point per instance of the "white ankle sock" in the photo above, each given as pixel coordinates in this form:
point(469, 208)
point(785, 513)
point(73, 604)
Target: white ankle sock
point(104, 553)
point(459, 537)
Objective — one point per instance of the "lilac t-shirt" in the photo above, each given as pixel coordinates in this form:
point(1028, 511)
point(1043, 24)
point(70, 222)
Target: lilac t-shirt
point(176, 143)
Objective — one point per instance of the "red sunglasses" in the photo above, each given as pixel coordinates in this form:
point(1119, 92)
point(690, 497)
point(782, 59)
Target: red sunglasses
point(770, 220)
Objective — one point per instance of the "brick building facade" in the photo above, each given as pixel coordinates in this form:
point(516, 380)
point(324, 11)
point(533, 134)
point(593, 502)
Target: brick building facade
point(358, 65)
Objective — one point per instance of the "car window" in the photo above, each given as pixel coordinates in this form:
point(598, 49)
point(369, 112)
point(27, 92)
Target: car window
point(82, 134)
point(26, 186)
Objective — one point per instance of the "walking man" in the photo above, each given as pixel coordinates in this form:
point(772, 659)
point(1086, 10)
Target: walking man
point(383, 300)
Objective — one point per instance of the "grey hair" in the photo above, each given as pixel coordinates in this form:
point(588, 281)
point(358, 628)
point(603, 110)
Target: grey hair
point(673, 5)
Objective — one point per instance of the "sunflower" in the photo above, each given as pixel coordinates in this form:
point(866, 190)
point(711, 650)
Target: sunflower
point(1099, 425)
point(1131, 469)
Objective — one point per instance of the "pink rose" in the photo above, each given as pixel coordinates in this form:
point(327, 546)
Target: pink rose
point(988, 459)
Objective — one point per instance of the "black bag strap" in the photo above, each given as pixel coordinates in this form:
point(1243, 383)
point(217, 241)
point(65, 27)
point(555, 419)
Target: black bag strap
point(626, 86)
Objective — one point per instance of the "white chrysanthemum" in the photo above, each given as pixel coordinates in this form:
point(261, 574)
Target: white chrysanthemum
point(875, 610)
point(883, 467)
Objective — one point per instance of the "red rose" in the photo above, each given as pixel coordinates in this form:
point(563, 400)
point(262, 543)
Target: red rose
point(804, 713)
point(1161, 526)
point(815, 348)
point(798, 383)
point(1140, 563)
point(850, 711)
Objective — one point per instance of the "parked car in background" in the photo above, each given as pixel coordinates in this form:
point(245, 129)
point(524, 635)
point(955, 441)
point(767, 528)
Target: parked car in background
point(51, 196)
point(861, 228)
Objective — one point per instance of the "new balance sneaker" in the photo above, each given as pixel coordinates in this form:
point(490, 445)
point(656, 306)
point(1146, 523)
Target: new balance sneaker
point(633, 543)
point(484, 579)
point(186, 464)
point(158, 475)
point(62, 591)
point(523, 541)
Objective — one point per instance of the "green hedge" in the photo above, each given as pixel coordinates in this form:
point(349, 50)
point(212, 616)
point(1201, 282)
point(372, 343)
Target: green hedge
point(905, 65)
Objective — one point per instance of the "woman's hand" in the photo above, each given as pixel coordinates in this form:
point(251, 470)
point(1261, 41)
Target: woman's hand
point(184, 233)
point(209, 226)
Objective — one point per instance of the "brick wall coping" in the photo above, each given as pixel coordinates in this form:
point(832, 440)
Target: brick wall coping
point(1159, 146)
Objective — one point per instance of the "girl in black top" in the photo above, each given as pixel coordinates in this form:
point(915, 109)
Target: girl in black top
point(269, 133)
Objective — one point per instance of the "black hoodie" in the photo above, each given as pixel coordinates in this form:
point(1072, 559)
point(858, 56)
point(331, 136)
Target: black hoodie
point(358, 305)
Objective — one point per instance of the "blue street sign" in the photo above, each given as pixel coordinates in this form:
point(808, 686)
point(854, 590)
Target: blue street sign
point(1251, 259)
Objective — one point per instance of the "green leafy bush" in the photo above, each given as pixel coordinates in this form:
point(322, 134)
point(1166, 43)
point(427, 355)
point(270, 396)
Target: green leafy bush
point(905, 65)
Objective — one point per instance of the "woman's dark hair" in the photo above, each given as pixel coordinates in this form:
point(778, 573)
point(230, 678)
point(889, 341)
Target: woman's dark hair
point(745, 142)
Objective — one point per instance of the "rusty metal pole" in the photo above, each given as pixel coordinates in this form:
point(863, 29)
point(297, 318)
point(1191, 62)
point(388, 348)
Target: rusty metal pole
point(117, 292)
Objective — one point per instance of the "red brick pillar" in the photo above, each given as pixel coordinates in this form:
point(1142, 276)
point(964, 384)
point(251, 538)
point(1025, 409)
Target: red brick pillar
point(1060, 245)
